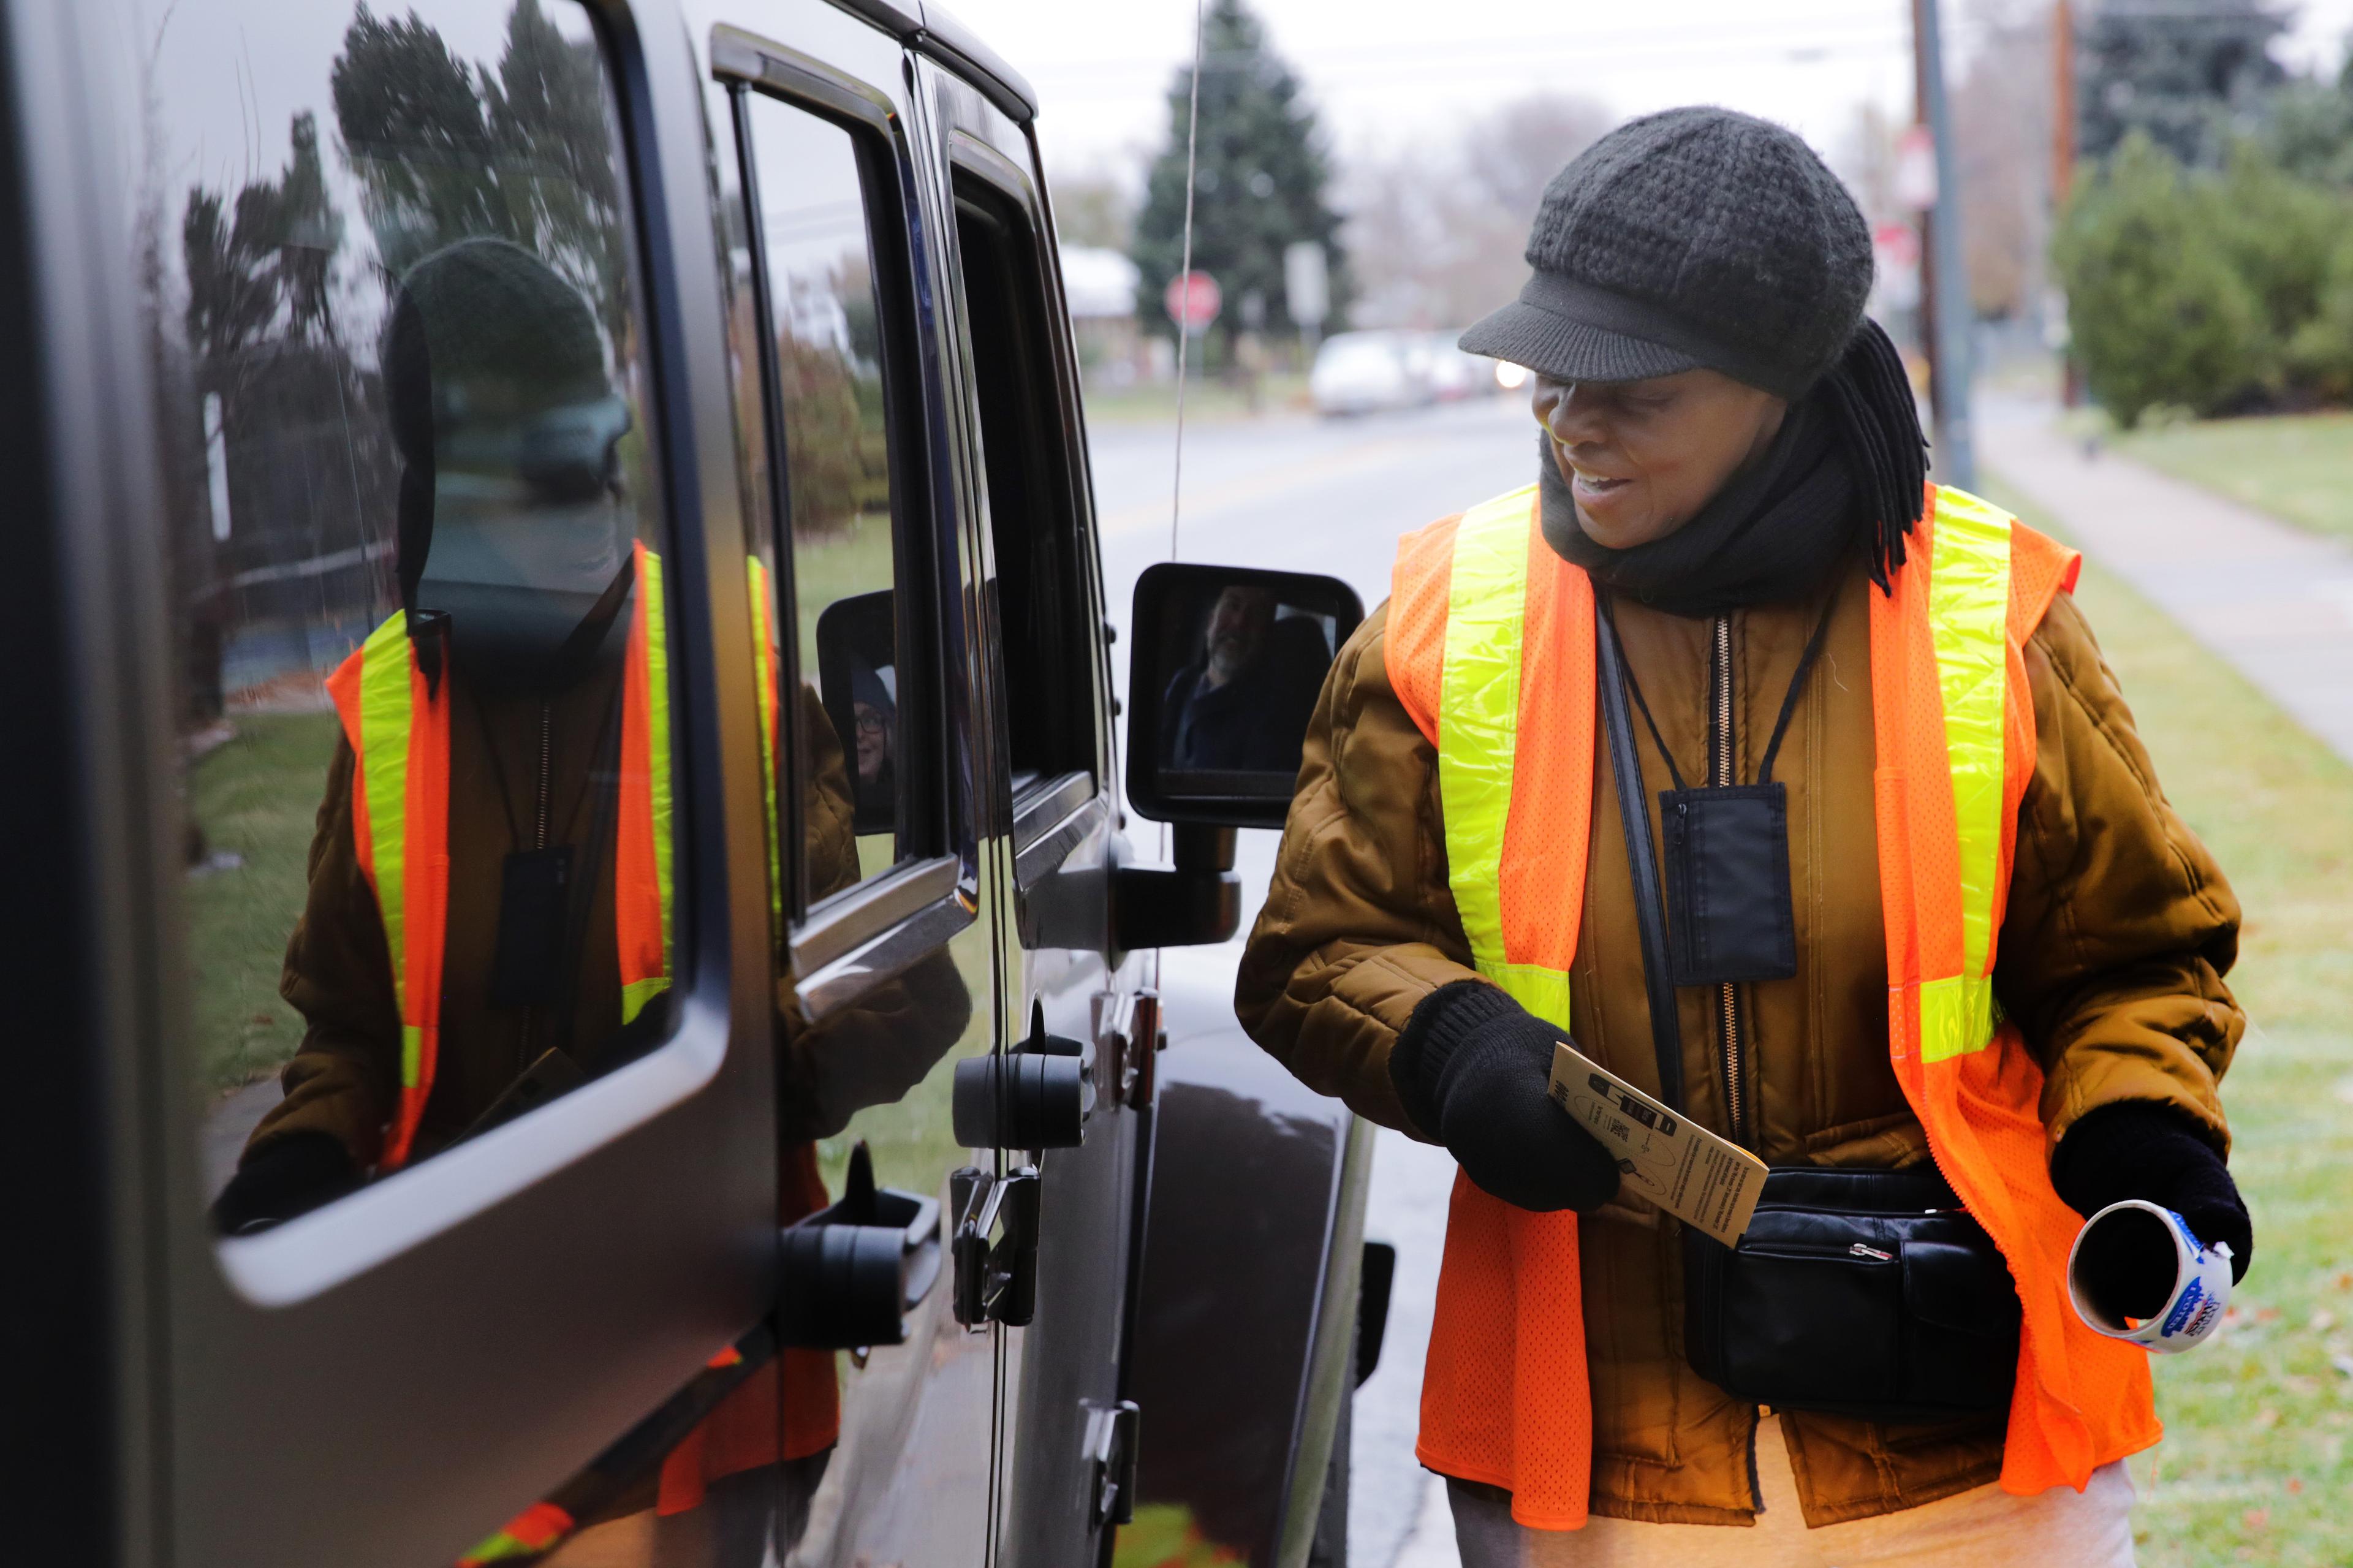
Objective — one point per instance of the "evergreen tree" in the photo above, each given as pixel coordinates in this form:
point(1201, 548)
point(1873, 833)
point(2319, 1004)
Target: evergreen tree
point(2311, 128)
point(2187, 75)
point(1261, 183)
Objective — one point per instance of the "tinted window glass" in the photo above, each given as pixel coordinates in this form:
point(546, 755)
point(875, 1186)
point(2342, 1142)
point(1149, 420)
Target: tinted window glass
point(1046, 633)
point(416, 577)
point(825, 315)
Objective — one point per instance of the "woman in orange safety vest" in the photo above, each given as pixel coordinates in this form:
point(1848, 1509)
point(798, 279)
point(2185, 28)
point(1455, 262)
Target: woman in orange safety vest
point(1924, 923)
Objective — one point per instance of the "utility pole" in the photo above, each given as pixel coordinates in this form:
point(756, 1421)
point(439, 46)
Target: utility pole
point(1944, 284)
point(2062, 158)
point(2062, 101)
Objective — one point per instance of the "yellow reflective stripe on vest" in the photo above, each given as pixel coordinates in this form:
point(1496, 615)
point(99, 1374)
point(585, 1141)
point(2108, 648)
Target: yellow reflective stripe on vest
point(763, 682)
point(386, 701)
point(1478, 737)
point(1969, 614)
point(636, 994)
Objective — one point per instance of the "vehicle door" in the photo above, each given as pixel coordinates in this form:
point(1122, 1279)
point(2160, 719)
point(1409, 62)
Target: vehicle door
point(406, 818)
point(1071, 1438)
point(862, 569)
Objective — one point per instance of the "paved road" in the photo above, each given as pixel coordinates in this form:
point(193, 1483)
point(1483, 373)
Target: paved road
point(2275, 601)
point(1306, 495)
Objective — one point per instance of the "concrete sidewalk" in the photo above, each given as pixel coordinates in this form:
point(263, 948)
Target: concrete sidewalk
point(2275, 601)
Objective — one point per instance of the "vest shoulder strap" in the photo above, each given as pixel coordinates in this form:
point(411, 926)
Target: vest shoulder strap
point(1414, 639)
point(1421, 588)
point(2041, 568)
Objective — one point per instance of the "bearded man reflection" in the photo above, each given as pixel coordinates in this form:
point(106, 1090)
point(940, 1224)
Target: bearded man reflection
point(1242, 706)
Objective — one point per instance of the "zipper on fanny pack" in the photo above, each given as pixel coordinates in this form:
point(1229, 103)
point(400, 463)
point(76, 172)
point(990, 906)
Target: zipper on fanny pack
point(1817, 1249)
point(1720, 775)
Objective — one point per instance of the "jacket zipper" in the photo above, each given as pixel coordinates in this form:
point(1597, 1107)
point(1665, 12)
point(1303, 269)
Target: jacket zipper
point(546, 753)
point(1727, 996)
point(534, 1018)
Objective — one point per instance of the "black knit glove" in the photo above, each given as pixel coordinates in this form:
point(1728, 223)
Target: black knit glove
point(284, 1177)
point(1471, 1066)
point(2143, 1149)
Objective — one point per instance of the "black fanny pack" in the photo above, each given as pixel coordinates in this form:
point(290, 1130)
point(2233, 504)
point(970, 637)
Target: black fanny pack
point(1870, 1293)
point(1867, 1293)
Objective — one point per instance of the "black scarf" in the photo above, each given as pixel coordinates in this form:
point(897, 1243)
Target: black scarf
point(1846, 472)
point(1768, 535)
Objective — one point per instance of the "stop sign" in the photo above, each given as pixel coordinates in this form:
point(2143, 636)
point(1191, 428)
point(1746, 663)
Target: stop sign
point(1192, 300)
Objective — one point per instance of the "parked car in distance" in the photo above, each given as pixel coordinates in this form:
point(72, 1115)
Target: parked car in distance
point(1453, 374)
point(1364, 372)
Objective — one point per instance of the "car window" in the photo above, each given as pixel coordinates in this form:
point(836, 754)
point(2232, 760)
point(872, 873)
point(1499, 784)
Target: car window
point(1046, 629)
point(822, 322)
point(420, 605)
point(857, 707)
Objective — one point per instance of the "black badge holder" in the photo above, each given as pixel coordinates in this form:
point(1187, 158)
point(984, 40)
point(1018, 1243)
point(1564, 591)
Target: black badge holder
point(1730, 920)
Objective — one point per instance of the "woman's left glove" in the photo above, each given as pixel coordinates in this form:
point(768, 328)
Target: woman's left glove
point(1473, 1067)
point(290, 1174)
point(2146, 1150)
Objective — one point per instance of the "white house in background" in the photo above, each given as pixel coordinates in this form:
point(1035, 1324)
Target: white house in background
point(1101, 284)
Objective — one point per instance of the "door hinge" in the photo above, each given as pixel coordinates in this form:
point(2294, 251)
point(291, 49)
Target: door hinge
point(994, 1245)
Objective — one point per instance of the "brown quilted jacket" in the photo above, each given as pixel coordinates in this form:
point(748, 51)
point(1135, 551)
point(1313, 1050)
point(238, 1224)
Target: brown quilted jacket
point(2111, 956)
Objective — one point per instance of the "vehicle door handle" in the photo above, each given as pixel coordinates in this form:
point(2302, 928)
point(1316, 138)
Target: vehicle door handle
point(994, 1247)
point(852, 1271)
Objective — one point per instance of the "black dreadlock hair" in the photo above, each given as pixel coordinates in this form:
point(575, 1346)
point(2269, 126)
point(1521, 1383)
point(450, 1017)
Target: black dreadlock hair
point(1869, 394)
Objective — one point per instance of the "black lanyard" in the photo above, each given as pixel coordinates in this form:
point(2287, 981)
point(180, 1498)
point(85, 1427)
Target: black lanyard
point(1726, 862)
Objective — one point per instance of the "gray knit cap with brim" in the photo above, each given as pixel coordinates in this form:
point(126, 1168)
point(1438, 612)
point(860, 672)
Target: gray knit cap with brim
point(1691, 237)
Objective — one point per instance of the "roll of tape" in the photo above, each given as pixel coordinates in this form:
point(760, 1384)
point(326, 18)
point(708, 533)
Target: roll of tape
point(2201, 1287)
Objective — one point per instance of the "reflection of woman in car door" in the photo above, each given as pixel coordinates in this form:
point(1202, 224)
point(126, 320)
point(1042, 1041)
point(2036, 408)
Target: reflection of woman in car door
point(491, 885)
point(487, 882)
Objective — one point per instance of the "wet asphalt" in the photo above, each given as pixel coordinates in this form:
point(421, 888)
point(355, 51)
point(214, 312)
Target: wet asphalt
point(1291, 491)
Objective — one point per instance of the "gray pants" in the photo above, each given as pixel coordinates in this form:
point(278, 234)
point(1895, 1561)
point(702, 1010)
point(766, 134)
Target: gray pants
point(1987, 1527)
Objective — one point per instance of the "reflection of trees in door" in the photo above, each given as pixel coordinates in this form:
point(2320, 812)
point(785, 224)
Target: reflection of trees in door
point(445, 150)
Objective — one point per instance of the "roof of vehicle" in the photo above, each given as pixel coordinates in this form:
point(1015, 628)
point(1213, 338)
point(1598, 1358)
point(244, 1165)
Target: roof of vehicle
point(931, 29)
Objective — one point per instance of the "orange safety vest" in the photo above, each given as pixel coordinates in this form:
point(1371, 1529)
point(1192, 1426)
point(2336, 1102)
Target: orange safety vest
point(791, 1408)
point(398, 726)
point(1490, 650)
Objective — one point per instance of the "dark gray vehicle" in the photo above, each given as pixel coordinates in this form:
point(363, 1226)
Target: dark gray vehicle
point(580, 986)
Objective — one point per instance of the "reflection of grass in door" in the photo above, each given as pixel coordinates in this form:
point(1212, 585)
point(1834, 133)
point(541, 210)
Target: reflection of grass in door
point(914, 1138)
point(254, 796)
point(839, 566)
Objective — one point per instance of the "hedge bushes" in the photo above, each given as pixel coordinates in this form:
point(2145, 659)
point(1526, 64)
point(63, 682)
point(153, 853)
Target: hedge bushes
point(2207, 290)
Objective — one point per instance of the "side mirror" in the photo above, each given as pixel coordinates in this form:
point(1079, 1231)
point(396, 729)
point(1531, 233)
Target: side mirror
point(858, 681)
point(1226, 665)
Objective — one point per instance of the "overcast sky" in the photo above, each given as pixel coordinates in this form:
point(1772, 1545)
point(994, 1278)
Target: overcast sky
point(1382, 70)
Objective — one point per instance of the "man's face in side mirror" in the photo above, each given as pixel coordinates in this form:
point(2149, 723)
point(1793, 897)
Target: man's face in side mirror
point(1237, 630)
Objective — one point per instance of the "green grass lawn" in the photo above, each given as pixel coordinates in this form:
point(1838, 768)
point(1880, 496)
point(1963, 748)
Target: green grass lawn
point(2253, 1468)
point(1211, 400)
point(2297, 467)
point(255, 797)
